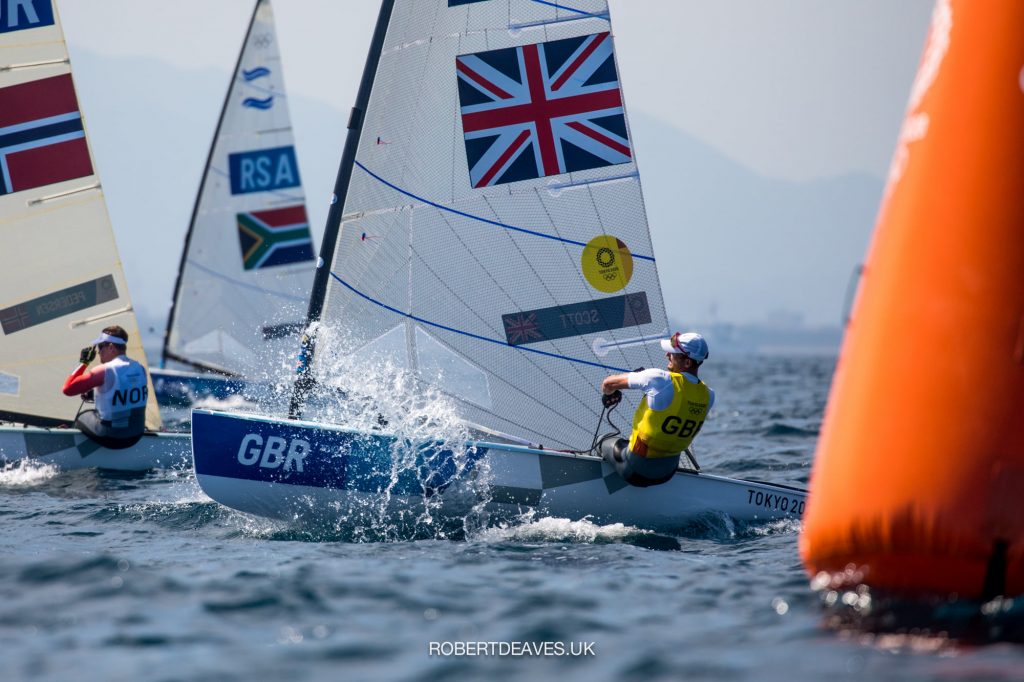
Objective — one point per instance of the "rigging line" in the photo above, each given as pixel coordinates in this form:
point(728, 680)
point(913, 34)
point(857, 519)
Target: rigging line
point(253, 287)
point(597, 15)
point(469, 334)
point(474, 217)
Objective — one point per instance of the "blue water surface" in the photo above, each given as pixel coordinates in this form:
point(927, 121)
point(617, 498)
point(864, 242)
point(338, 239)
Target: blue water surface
point(142, 577)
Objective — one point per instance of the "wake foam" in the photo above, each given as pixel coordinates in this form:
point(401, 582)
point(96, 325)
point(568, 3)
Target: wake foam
point(551, 529)
point(25, 473)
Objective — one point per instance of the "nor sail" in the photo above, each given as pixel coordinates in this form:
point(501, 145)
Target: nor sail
point(247, 265)
point(61, 280)
point(488, 237)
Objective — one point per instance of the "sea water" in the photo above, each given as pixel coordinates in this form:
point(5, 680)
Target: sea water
point(142, 577)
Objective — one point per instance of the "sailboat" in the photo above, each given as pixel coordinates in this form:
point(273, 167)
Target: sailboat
point(62, 280)
point(247, 265)
point(488, 237)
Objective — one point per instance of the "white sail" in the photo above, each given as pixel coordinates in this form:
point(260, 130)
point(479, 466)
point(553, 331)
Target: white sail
point(493, 237)
point(247, 267)
point(61, 281)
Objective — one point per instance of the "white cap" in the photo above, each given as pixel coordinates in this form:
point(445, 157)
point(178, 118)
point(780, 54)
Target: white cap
point(690, 344)
point(107, 338)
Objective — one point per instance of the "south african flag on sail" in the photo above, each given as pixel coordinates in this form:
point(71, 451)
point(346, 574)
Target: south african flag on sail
point(277, 236)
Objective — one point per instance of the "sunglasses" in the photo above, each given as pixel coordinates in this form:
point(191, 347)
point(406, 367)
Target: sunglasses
point(676, 345)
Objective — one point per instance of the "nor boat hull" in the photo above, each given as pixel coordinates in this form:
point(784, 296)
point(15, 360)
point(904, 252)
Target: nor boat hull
point(69, 449)
point(303, 471)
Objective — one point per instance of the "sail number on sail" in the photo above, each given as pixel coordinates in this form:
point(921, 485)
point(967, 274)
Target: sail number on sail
point(576, 319)
point(16, 15)
point(53, 305)
point(263, 170)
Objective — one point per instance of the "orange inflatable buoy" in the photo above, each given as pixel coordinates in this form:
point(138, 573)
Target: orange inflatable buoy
point(918, 480)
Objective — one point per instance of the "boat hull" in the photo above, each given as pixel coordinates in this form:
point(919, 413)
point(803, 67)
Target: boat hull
point(69, 449)
point(175, 388)
point(317, 472)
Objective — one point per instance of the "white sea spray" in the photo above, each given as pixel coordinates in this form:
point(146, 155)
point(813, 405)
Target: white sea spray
point(374, 394)
point(26, 473)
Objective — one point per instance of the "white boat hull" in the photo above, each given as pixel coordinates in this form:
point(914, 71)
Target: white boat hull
point(334, 471)
point(69, 449)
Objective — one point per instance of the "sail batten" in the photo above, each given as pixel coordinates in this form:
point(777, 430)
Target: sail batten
point(32, 65)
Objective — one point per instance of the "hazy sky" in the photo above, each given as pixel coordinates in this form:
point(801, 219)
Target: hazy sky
point(794, 90)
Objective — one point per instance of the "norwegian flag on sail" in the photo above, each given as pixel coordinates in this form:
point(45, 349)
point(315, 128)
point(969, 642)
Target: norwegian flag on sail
point(544, 109)
point(42, 140)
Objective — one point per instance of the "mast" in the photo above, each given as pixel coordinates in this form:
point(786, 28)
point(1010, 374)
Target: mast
point(167, 354)
point(305, 382)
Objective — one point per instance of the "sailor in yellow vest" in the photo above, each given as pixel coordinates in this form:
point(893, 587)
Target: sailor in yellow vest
point(668, 418)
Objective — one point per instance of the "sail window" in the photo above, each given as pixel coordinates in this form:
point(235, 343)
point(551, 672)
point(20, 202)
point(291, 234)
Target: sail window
point(9, 384)
point(219, 342)
point(443, 367)
point(388, 349)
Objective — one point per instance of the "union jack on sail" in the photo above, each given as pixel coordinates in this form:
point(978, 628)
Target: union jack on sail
point(521, 328)
point(543, 109)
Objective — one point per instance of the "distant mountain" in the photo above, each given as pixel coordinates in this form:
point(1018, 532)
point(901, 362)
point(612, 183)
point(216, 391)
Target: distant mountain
point(732, 246)
point(739, 247)
point(725, 339)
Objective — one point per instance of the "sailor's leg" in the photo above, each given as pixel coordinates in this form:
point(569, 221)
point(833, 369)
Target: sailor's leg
point(89, 423)
point(611, 447)
point(616, 452)
point(645, 472)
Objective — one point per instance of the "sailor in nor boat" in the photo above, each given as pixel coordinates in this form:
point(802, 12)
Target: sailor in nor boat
point(668, 418)
point(120, 389)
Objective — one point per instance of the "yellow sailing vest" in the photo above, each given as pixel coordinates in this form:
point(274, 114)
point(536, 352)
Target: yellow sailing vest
point(666, 433)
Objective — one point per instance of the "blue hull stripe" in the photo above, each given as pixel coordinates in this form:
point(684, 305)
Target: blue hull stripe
point(257, 450)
